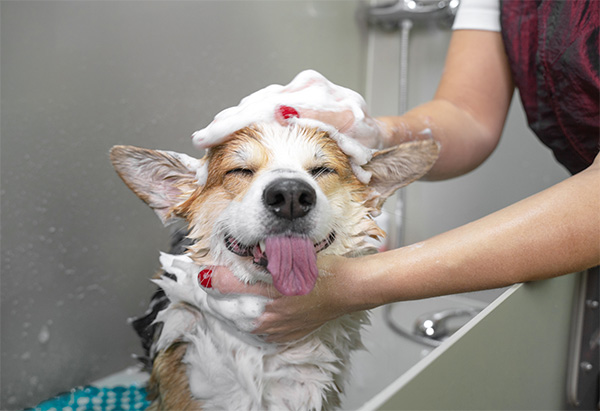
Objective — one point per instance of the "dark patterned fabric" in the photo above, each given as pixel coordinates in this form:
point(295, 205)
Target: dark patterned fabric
point(553, 50)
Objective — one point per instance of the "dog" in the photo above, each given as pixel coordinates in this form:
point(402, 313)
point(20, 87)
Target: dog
point(273, 200)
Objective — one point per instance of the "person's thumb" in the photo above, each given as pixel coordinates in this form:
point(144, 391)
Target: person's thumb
point(224, 281)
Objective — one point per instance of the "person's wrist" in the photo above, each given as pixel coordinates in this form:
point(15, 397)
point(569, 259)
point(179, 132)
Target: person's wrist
point(389, 132)
point(352, 289)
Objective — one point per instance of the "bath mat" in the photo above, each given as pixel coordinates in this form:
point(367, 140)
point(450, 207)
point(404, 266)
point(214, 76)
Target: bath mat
point(90, 398)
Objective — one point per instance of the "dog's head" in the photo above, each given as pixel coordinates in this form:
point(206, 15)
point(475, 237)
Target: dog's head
point(273, 199)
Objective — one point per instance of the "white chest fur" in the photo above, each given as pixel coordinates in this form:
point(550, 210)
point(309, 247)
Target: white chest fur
point(229, 368)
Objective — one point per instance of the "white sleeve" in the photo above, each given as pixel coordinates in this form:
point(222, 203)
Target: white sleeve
point(478, 15)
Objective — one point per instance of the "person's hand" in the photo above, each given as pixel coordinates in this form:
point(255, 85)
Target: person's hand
point(343, 121)
point(291, 318)
point(309, 100)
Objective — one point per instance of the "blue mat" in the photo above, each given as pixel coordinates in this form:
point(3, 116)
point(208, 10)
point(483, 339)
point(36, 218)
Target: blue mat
point(97, 399)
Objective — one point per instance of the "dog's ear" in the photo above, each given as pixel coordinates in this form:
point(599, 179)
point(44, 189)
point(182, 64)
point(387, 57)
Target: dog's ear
point(163, 179)
point(399, 166)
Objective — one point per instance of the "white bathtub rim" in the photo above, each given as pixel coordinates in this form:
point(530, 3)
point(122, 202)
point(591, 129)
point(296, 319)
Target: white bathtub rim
point(388, 392)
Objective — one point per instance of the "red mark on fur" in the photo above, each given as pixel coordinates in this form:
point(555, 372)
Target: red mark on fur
point(205, 278)
point(288, 112)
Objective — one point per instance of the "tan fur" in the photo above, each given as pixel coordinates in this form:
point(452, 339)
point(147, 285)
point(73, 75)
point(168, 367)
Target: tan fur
point(168, 387)
point(245, 151)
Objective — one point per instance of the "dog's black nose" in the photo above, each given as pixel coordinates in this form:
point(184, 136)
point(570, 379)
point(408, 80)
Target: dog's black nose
point(289, 198)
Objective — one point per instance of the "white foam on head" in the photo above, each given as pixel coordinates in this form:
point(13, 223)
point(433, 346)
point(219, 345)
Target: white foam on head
point(309, 90)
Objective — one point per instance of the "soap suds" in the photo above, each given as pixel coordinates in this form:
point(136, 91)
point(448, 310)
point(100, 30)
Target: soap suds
point(309, 90)
point(426, 133)
point(237, 312)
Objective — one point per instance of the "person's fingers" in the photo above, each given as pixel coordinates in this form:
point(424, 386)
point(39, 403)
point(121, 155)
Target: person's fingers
point(341, 120)
point(223, 280)
point(284, 113)
point(287, 319)
point(282, 334)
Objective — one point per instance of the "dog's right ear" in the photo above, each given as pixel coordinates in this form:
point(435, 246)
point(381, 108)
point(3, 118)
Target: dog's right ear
point(399, 166)
point(163, 179)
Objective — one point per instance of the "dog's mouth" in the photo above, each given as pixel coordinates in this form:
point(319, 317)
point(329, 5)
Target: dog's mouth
point(291, 260)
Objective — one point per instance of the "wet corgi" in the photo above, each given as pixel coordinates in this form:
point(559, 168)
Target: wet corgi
point(267, 204)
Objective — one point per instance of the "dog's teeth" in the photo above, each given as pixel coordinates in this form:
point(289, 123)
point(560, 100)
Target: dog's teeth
point(262, 245)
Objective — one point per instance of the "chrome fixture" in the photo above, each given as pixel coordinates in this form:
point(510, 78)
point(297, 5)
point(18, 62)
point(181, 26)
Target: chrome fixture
point(431, 329)
point(584, 351)
point(390, 16)
point(440, 325)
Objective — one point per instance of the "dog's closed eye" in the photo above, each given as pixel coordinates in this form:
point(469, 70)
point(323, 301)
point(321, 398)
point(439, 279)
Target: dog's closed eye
point(321, 171)
point(240, 172)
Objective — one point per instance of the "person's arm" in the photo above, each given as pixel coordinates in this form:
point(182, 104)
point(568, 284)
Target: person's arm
point(468, 111)
point(466, 115)
point(554, 232)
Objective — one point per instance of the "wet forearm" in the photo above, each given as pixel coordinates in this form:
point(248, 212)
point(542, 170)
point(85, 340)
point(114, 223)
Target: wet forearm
point(468, 111)
point(551, 233)
point(465, 143)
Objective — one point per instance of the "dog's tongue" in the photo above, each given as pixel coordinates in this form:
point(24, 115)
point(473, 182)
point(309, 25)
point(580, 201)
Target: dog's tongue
point(292, 263)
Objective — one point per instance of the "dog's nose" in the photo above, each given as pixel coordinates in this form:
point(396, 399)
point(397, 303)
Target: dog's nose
point(289, 198)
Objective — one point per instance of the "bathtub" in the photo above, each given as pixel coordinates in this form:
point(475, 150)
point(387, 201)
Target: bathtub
point(386, 355)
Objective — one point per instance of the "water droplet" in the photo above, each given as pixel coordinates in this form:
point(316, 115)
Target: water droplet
point(44, 335)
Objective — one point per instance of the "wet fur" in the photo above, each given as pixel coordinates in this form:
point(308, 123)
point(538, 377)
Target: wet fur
point(307, 374)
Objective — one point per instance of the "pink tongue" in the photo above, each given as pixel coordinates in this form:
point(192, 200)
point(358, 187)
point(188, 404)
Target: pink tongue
point(292, 263)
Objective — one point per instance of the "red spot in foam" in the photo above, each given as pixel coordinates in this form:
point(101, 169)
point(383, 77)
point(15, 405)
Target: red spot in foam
point(205, 278)
point(288, 112)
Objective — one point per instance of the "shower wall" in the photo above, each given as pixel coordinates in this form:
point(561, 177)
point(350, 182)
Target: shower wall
point(78, 247)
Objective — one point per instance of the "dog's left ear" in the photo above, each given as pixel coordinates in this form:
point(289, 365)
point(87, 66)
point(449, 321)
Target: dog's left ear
point(163, 179)
point(399, 166)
